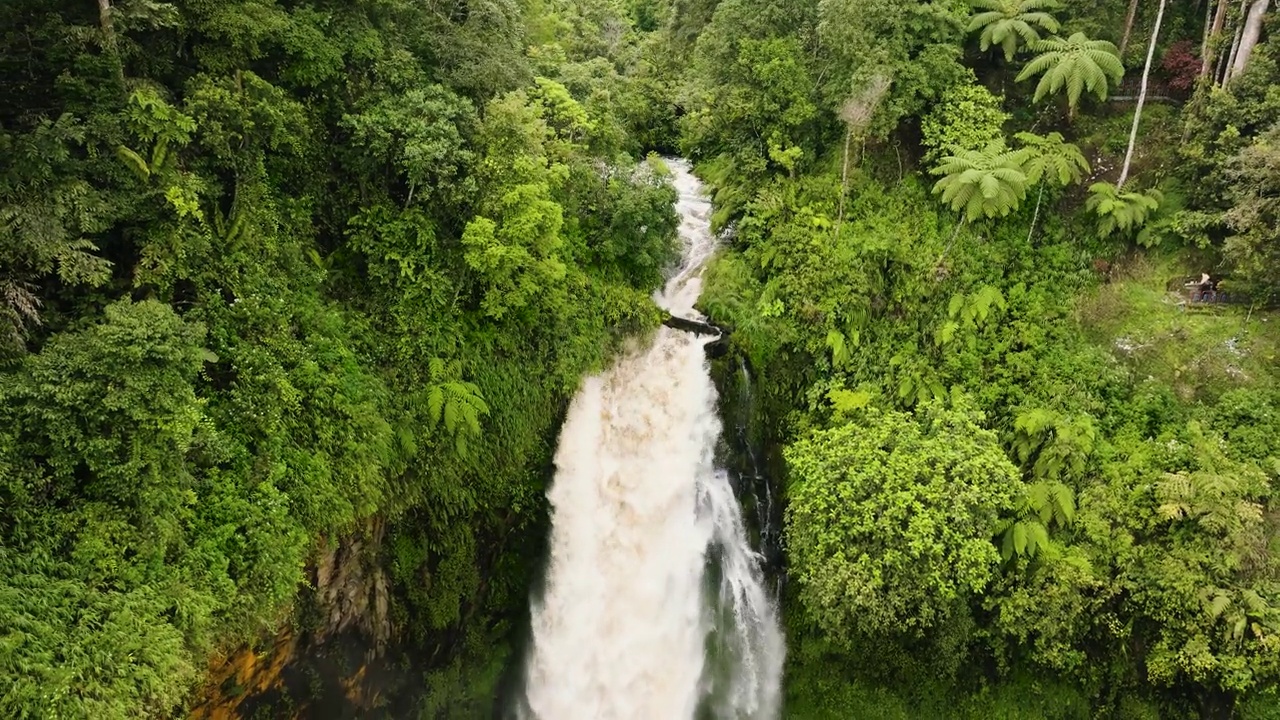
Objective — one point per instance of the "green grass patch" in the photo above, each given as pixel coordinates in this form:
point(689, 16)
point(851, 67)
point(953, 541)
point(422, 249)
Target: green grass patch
point(1199, 350)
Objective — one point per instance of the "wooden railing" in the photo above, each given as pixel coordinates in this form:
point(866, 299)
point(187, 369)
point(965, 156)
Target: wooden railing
point(1157, 91)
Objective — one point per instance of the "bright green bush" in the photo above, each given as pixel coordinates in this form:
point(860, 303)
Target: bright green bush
point(967, 117)
point(890, 519)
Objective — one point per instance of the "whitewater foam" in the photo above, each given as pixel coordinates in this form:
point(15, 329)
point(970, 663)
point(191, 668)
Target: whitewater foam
point(654, 606)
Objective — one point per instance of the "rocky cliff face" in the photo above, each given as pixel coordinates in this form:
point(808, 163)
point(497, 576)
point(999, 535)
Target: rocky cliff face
point(351, 591)
point(365, 642)
point(335, 668)
point(243, 676)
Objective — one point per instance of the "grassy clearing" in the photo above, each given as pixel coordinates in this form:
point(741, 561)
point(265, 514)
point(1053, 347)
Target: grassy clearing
point(1200, 351)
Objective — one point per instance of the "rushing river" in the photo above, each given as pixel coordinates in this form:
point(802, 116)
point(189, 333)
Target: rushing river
point(655, 606)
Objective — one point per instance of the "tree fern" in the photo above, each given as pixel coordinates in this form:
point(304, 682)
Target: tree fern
point(1215, 501)
point(1075, 64)
point(1010, 23)
point(1041, 506)
point(1241, 612)
point(1052, 443)
point(1053, 502)
point(988, 182)
point(1029, 430)
point(1048, 158)
point(455, 404)
point(1122, 211)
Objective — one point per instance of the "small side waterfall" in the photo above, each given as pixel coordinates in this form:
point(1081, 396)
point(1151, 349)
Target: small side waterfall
point(655, 606)
point(747, 455)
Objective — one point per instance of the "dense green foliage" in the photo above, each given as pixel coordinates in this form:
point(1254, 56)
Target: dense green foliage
point(1098, 536)
point(269, 270)
point(968, 116)
point(890, 519)
point(276, 274)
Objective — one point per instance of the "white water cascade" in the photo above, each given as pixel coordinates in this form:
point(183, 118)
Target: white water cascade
point(655, 606)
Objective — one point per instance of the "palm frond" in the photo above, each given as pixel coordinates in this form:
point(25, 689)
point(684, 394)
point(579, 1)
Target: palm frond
point(1076, 64)
point(1010, 24)
point(988, 182)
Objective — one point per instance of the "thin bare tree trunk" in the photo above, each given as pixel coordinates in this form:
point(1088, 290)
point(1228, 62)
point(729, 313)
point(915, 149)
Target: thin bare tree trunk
point(844, 179)
point(964, 220)
point(1211, 31)
point(1224, 62)
point(1142, 96)
point(1249, 37)
point(1036, 215)
point(1208, 30)
point(1231, 59)
point(1128, 25)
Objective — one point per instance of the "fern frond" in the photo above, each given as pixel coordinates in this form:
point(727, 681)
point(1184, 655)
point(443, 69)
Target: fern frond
point(1064, 502)
point(134, 161)
point(1043, 19)
point(982, 20)
point(1037, 538)
point(1215, 607)
point(1075, 64)
point(1036, 66)
point(435, 404)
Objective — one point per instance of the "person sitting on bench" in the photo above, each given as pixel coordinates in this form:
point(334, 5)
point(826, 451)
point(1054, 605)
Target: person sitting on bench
point(1203, 291)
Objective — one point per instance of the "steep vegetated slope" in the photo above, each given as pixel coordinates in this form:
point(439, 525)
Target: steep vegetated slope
point(290, 285)
point(1030, 471)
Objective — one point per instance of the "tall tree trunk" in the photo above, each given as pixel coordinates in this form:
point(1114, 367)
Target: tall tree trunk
point(1220, 69)
point(109, 44)
point(1142, 96)
point(107, 23)
point(1128, 25)
point(1235, 45)
point(1211, 31)
point(1249, 36)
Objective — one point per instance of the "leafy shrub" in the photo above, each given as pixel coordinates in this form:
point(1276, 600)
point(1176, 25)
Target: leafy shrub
point(968, 117)
point(891, 517)
point(1181, 66)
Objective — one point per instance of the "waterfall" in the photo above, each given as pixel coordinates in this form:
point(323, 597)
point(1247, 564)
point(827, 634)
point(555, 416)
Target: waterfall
point(655, 606)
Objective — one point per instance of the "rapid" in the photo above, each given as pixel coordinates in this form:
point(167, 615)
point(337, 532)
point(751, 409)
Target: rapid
point(655, 605)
